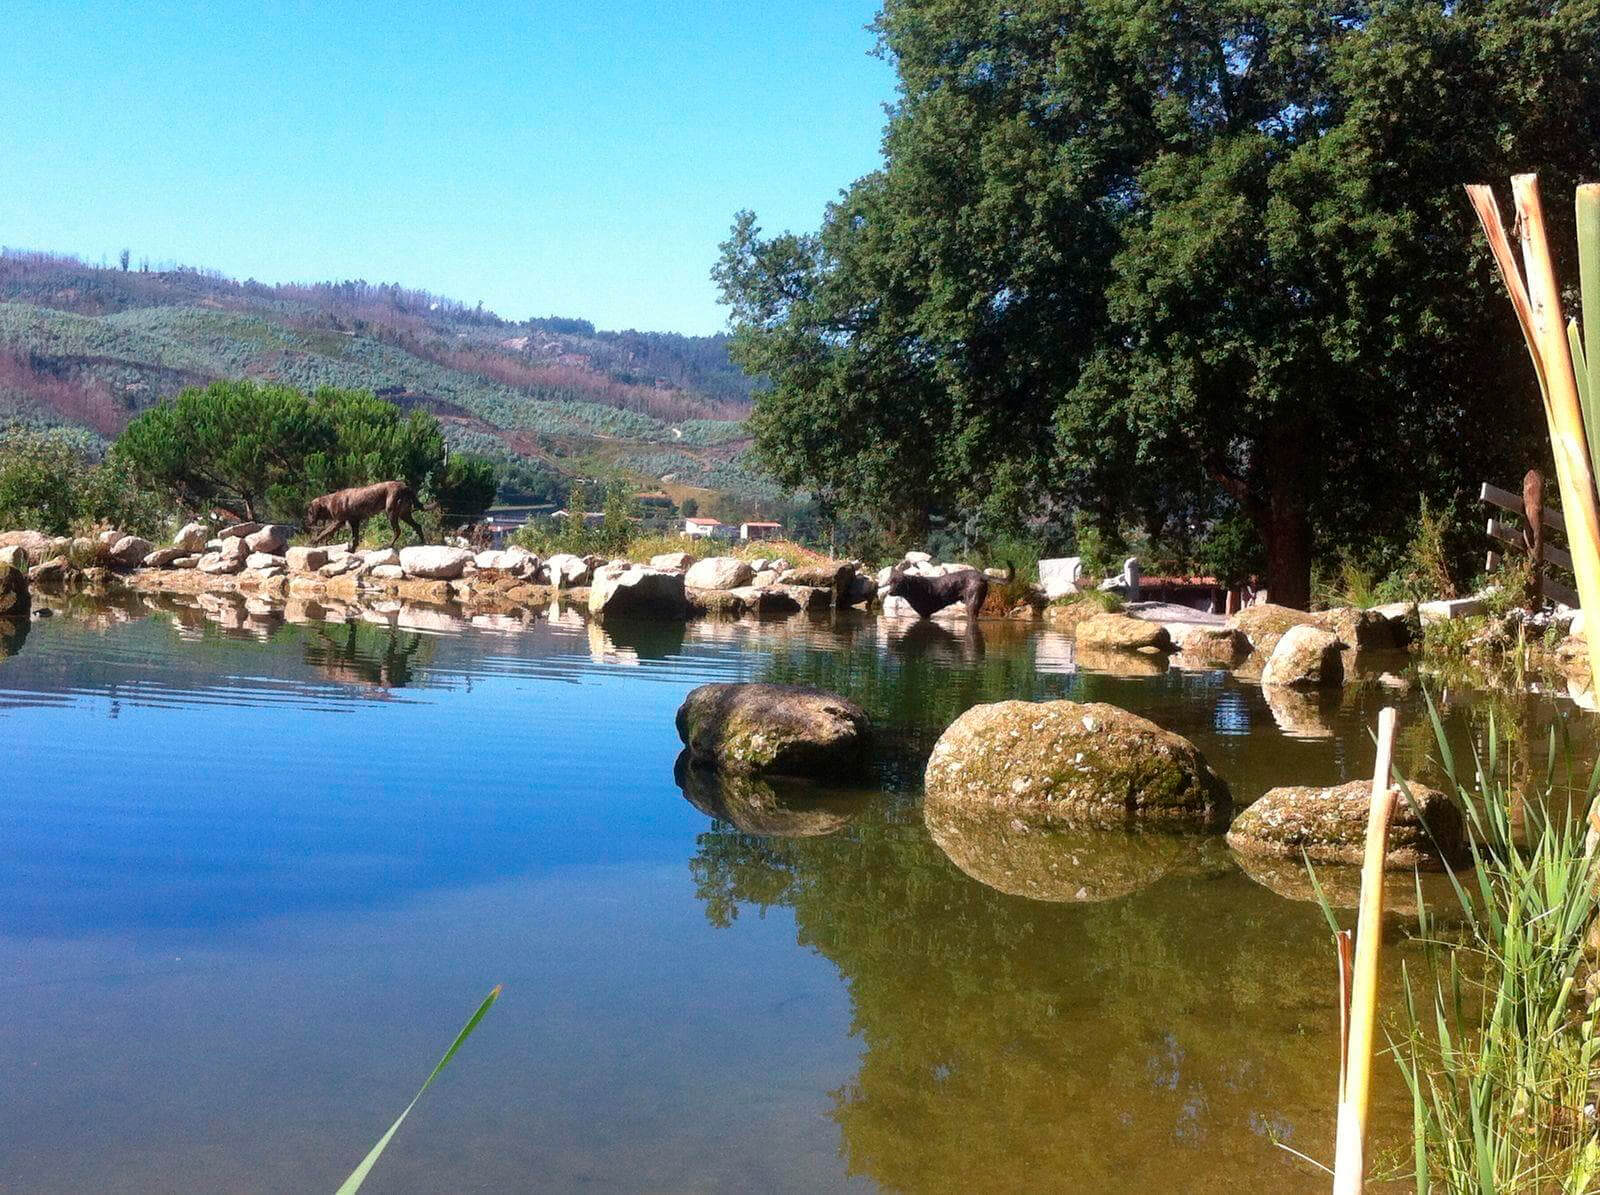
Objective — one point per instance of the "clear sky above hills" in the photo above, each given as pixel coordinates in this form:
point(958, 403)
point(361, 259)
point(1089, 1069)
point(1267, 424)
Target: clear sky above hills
point(547, 157)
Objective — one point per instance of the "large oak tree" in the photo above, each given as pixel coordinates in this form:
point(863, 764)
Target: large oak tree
point(1148, 258)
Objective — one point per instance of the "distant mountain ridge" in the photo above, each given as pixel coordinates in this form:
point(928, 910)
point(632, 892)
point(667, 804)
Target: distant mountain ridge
point(91, 346)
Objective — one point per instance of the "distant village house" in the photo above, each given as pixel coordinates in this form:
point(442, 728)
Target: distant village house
point(708, 528)
point(759, 530)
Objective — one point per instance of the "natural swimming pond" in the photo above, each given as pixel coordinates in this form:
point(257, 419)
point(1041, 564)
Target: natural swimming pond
point(253, 877)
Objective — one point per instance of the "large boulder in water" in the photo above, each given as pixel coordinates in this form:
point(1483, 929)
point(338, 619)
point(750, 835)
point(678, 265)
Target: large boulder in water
point(1329, 825)
point(1263, 625)
point(1306, 657)
point(1118, 632)
point(784, 730)
point(1086, 763)
point(767, 807)
point(639, 592)
point(718, 572)
point(1044, 860)
point(434, 562)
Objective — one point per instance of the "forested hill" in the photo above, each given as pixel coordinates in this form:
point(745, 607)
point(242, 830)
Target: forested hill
point(92, 346)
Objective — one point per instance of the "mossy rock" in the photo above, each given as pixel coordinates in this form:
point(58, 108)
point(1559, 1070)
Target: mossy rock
point(1093, 764)
point(786, 730)
point(1042, 859)
point(1329, 825)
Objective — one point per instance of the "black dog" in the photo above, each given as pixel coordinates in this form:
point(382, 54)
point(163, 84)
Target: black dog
point(930, 594)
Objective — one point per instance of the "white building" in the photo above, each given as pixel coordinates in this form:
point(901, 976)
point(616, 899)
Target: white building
point(708, 528)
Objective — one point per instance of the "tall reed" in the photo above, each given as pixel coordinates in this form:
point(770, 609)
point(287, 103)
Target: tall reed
point(1496, 1037)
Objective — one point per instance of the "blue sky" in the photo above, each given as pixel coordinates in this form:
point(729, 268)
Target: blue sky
point(546, 157)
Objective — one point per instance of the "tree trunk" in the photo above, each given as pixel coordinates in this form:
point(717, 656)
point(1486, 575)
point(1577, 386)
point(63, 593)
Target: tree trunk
point(1287, 534)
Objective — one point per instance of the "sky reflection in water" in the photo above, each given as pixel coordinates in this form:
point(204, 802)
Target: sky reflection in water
point(251, 880)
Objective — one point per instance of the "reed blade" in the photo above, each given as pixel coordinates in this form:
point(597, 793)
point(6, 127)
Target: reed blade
point(359, 1175)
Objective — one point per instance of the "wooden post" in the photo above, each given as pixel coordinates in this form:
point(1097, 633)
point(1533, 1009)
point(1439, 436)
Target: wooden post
point(1533, 534)
point(1350, 1148)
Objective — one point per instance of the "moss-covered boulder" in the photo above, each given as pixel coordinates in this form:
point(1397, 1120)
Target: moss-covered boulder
point(1043, 859)
point(1091, 764)
point(1265, 624)
point(1306, 657)
point(784, 730)
point(767, 807)
point(1329, 825)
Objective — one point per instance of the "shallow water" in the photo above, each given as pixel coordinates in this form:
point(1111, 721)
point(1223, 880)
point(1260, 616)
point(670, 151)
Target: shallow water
point(253, 877)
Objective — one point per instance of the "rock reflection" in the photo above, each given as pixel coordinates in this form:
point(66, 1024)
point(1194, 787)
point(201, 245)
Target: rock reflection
point(767, 808)
point(1341, 885)
point(1128, 1044)
point(13, 633)
point(1302, 714)
point(1121, 663)
point(1045, 861)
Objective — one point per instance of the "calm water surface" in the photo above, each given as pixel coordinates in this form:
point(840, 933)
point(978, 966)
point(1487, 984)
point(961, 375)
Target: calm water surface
point(253, 876)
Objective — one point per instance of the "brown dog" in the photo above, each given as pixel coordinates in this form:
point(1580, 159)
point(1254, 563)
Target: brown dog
point(928, 595)
point(355, 506)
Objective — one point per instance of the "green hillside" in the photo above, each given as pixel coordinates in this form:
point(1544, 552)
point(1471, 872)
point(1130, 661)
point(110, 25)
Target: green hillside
point(91, 347)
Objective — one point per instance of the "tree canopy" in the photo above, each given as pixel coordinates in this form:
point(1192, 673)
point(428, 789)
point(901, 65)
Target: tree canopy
point(262, 449)
point(1163, 263)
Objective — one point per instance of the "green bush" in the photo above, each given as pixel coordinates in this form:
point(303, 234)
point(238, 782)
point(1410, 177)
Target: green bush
point(46, 485)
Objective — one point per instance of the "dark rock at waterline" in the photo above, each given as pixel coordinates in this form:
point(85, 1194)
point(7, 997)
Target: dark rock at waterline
point(1093, 764)
point(785, 730)
point(766, 807)
point(1042, 859)
point(15, 597)
point(639, 592)
point(1329, 825)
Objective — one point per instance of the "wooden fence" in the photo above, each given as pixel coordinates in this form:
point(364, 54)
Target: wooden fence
point(1514, 538)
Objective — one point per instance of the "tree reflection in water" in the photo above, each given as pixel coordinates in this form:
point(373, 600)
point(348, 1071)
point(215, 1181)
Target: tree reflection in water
point(1157, 1022)
point(370, 657)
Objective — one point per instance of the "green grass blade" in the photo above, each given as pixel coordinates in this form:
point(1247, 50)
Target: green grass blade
point(1589, 283)
point(359, 1175)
